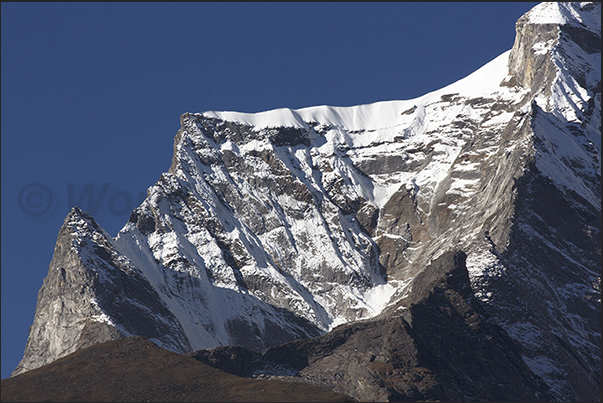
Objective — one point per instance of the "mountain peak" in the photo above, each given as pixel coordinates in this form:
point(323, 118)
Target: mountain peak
point(285, 224)
point(578, 14)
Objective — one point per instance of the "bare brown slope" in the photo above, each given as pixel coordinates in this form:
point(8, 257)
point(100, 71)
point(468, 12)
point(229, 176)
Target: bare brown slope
point(136, 369)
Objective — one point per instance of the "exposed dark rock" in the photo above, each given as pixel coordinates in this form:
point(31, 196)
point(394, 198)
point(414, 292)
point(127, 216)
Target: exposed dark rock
point(235, 360)
point(442, 347)
point(289, 136)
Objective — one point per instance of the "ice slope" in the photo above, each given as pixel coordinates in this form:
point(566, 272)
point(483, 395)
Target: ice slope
point(383, 123)
point(377, 116)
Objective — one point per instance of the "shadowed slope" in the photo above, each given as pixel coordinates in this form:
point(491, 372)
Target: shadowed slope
point(136, 369)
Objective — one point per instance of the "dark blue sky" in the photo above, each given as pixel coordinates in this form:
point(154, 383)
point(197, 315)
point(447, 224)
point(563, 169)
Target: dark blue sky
point(92, 94)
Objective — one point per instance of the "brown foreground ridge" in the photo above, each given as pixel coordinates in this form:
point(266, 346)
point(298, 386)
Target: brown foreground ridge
point(136, 369)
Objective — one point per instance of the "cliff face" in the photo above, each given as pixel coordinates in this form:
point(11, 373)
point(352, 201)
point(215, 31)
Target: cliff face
point(282, 225)
point(546, 283)
point(92, 294)
point(442, 348)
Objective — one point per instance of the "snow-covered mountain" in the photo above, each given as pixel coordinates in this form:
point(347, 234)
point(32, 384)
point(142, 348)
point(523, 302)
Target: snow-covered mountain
point(284, 224)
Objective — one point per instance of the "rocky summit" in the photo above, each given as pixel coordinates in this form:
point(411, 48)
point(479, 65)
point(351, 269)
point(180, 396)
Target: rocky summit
point(446, 247)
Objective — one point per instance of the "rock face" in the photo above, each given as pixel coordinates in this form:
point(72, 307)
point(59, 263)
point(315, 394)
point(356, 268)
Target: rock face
point(282, 225)
point(442, 348)
point(93, 294)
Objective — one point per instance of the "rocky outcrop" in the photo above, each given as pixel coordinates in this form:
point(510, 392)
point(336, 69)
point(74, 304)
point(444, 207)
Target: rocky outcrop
point(545, 286)
point(93, 294)
point(441, 348)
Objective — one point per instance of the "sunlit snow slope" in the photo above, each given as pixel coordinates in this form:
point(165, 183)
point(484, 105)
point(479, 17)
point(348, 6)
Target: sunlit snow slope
point(284, 188)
